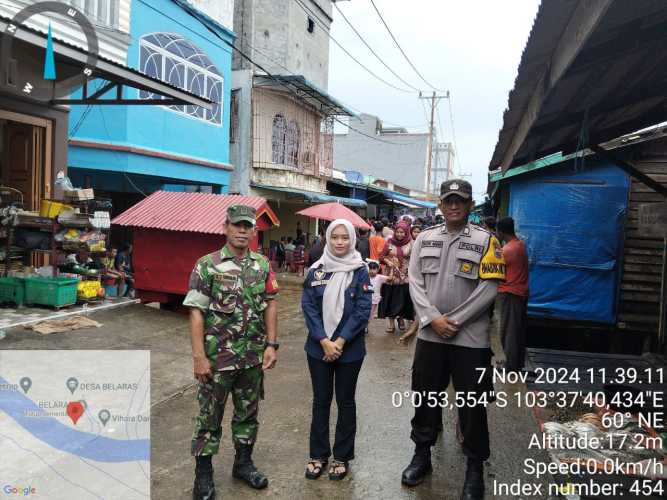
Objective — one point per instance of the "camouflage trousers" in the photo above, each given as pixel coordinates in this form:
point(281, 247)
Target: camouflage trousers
point(246, 388)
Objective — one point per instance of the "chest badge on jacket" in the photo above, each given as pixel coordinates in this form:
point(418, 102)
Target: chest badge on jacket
point(466, 267)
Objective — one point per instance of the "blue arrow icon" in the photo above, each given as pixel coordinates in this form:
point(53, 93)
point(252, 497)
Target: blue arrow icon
point(50, 60)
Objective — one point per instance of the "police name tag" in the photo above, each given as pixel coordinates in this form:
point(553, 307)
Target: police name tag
point(464, 245)
point(432, 244)
point(319, 282)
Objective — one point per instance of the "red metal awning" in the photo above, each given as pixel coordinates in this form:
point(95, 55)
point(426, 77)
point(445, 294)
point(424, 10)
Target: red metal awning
point(192, 212)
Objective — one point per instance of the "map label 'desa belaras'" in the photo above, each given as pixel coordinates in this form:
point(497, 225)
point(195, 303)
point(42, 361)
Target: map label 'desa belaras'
point(107, 386)
point(65, 415)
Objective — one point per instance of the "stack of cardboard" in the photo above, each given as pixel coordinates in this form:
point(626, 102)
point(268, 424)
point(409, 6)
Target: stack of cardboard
point(80, 194)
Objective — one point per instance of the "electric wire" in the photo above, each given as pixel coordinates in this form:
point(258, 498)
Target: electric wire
point(356, 110)
point(290, 90)
point(85, 114)
point(371, 49)
point(307, 10)
point(401, 49)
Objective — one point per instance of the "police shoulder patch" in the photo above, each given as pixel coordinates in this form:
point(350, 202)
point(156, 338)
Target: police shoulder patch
point(492, 265)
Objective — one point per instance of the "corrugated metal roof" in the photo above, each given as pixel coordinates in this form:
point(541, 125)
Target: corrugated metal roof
point(615, 84)
point(190, 212)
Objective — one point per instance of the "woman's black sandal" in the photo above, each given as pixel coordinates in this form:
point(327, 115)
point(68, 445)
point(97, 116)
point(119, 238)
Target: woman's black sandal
point(337, 476)
point(317, 469)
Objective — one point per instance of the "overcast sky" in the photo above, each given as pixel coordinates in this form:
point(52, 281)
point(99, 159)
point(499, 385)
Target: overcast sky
point(470, 47)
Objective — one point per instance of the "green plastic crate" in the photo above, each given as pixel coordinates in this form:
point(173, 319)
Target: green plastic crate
point(12, 290)
point(56, 292)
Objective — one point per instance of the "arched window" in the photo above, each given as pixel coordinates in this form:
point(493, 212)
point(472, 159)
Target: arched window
point(174, 60)
point(278, 139)
point(292, 144)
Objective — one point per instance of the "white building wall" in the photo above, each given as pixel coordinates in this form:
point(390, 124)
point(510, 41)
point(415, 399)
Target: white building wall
point(220, 10)
point(398, 158)
point(113, 43)
point(124, 16)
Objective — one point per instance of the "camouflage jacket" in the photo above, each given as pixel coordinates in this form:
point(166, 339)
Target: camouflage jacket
point(232, 293)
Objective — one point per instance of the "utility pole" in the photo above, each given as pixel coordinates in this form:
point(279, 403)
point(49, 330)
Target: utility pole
point(434, 98)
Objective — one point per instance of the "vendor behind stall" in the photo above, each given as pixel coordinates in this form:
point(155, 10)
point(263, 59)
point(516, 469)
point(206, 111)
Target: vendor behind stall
point(124, 265)
point(106, 262)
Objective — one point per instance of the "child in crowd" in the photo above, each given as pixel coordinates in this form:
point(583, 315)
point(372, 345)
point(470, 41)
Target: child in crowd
point(377, 280)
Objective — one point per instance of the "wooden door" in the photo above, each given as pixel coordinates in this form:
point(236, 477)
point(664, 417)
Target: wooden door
point(26, 164)
point(19, 162)
point(26, 167)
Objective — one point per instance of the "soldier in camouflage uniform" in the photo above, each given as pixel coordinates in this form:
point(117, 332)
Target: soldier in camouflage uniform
point(233, 328)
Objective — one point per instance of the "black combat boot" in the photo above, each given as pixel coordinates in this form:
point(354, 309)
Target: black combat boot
point(244, 468)
point(473, 488)
point(419, 467)
point(204, 488)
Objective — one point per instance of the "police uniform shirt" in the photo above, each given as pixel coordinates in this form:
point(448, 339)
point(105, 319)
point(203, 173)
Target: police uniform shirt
point(457, 275)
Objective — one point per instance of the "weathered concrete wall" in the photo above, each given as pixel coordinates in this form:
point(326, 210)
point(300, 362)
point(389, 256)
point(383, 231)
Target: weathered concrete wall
point(278, 31)
point(308, 53)
point(404, 162)
point(288, 179)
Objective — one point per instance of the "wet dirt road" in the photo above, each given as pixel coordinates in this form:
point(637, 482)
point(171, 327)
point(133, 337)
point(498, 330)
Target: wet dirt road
point(383, 447)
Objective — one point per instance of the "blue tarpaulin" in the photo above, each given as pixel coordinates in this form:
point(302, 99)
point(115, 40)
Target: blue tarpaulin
point(572, 222)
point(410, 201)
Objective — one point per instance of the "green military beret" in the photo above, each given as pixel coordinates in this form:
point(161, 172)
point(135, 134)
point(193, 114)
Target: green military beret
point(238, 213)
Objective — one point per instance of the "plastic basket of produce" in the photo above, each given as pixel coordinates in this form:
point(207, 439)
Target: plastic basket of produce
point(87, 290)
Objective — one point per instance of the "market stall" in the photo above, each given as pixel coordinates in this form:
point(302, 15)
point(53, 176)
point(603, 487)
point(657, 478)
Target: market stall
point(171, 230)
point(37, 248)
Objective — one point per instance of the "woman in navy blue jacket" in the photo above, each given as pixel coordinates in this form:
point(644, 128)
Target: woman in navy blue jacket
point(336, 304)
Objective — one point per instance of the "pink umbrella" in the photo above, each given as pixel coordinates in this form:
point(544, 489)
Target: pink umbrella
point(333, 211)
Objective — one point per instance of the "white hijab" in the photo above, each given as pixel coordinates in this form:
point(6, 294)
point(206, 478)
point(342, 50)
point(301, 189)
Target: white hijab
point(342, 268)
